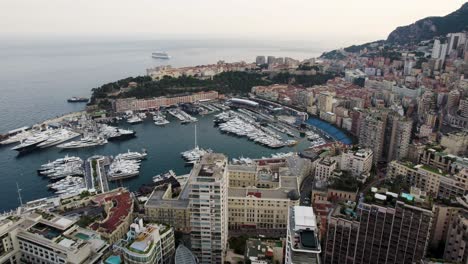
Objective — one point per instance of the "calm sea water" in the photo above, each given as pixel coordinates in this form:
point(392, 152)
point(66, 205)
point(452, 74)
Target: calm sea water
point(37, 77)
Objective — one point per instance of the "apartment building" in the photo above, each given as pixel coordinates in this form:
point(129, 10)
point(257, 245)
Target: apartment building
point(162, 208)
point(302, 243)
point(341, 237)
point(456, 242)
point(261, 193)
point(147, 244)
point(209, 208)
point(325, 169)
point(133, 104)
point(118, 205)
point(43, 237)
point(357, 162)
point(384, 229)
point(372, 134)
point(399, 136)
point(429, 179)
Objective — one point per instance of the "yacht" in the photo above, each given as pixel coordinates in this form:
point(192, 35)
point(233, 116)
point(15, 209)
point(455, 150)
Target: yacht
point(123, 168)
point(58, 137)
point(75, 99)
point(132, 155)
point(160, 55)
point(134, 120)
point(30, 143)
point(160, 120)
point(84, 143)
point(193, 155)
point(114, 133)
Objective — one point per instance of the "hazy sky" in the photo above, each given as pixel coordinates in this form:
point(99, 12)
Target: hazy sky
point(343, 20)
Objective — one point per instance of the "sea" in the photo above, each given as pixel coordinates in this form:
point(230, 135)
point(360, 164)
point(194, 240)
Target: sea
point(37, 76)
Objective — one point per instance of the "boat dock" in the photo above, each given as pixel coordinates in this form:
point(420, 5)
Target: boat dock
point(96, 174)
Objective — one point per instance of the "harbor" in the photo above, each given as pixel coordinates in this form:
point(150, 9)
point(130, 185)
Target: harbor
point(164, 145)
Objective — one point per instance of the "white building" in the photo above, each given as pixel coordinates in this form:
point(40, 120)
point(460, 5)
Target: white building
point(302, 244)
point(325, 169)
point(209, 208)
point(43, 237)
point(147, 244)
point(358, 163)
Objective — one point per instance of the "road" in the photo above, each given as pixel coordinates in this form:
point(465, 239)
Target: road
point(306, 189)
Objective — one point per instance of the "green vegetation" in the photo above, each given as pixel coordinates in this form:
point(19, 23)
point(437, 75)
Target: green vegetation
point(84, 194)
point(432, 169)
point(226, 83)
point(94, 164)
point(238, 244)
point(304, 80)
point(359, 81)
point(346, 182)
point(85, 221)
point(104, 90)
point(307, 67)
point(333, 55)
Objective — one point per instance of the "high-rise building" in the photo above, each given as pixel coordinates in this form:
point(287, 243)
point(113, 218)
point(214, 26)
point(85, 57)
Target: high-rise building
point(456, 243)
point(463, 108)
point(408, 67)
point(302, 244)
point(453, 99)
point(260, 60)
point(271, 60)
point(443, 53)
point(372, 133)
point(454, 40)
point(385, 229)
point(208, 208)
point(436, 49)
point(325, 102)
point(399, 136)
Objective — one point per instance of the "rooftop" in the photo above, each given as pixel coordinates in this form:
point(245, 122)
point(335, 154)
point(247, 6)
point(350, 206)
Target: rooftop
point(303, 230)
point(121, 206)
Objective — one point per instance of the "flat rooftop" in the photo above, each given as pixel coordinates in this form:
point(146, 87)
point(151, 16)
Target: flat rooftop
point(303, 230)
point(287, 184)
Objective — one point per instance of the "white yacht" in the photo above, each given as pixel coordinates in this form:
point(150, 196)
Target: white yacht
point(132, 155)
point(84, 143)
point(58, 137)
point(134, 120)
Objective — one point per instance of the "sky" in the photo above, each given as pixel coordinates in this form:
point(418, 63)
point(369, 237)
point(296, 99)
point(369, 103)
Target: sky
point(343, 21)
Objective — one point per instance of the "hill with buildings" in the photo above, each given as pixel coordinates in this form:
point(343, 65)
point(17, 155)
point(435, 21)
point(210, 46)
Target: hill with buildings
point(424, 29)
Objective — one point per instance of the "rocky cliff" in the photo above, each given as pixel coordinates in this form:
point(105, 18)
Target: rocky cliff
point(430, 27)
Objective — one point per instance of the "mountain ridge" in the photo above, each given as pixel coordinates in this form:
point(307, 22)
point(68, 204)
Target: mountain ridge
point(423, 29)
point(430, 27)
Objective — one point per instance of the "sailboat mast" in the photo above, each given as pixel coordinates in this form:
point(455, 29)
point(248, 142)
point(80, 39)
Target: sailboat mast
point(196, 136)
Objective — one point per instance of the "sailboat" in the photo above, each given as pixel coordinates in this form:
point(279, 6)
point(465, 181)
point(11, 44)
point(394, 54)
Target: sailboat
point(193, 155)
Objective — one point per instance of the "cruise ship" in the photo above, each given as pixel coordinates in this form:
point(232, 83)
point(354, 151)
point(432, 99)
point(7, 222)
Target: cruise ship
point(160, 55)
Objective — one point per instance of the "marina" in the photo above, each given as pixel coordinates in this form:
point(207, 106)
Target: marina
point(163, 143)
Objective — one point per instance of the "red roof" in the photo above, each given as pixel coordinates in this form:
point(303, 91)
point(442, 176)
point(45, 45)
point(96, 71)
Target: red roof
point(121, 207)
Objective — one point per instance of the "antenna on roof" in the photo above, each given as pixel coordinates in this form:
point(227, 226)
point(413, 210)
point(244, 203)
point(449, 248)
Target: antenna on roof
point(19, 194)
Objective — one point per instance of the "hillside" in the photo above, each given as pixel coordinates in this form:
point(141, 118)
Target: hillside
point(430, 27)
